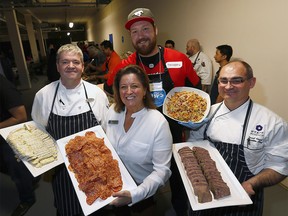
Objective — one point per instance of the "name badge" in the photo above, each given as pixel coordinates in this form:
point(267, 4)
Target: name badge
point(155, 86)
point(176, 64)
point(113, 122)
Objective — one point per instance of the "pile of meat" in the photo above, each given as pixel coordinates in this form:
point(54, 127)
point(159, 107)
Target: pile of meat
point(202, 172)
point(96, 171)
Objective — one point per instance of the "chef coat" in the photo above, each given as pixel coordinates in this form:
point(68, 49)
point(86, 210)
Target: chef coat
point(203, 67)
point(266, 139)
point(69, 102)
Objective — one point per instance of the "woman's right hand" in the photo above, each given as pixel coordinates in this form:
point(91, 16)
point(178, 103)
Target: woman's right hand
point(123, 198)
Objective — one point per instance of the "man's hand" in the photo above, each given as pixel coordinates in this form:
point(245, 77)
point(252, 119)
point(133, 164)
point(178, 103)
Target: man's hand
point(267, 177)
point(18, 115)
point(248, 188)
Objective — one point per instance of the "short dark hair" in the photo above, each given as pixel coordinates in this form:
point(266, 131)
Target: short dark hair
point(170, 42)
point(143, 78)
point(225, 50)
point(107, 44)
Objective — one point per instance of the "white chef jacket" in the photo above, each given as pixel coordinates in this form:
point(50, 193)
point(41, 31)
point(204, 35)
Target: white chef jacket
point(266, 140)
point(145, 149)
point(69, 102)
point(203, 67)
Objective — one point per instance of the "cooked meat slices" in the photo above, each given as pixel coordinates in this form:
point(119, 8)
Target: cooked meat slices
point(195, 175)
point(216, 184)
point(203, 174)
point(96, 171)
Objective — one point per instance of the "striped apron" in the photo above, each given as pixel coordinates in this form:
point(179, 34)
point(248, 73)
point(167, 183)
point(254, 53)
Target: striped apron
point(65, 198)
point(234, 156)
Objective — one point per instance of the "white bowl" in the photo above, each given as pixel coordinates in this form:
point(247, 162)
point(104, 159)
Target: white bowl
point(189, 89)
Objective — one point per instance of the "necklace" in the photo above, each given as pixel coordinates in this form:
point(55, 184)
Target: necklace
point(151, 65)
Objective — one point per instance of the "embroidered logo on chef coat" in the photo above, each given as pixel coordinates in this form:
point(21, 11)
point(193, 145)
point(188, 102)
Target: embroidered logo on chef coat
point(256, 137)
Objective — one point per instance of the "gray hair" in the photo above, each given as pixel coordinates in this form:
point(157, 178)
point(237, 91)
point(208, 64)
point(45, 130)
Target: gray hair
point(69, 48)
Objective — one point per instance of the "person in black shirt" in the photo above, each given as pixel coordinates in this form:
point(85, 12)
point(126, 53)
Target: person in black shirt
point(222, 57)
point(12, 112)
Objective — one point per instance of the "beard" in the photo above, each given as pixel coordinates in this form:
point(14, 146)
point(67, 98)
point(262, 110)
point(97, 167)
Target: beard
point(144, 49)
point(189, 53)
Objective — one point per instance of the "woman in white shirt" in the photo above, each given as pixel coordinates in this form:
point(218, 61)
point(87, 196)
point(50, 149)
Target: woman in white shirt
point(141, 136)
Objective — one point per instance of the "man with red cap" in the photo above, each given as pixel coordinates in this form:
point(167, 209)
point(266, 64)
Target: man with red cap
point(166, 69)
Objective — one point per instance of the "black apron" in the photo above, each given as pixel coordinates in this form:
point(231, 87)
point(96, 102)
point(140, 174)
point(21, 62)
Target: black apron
point(161, 77)
point(65, 198)
point(234, 156)
point(167, 84)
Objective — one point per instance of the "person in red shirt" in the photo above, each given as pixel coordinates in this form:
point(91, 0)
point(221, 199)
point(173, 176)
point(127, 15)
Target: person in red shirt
point(112, 59)
point(166, 69)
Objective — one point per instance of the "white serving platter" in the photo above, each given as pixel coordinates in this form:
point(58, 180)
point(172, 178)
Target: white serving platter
point(189, 89)
point(34, 170)
point(238, 194)
point(128, 182)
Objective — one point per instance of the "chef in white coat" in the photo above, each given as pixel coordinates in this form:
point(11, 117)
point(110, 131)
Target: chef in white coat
point(251, 138)
point(64, 107)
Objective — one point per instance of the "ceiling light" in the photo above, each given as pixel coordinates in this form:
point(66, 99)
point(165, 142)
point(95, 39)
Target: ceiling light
point(68, 33)
point(71, 24)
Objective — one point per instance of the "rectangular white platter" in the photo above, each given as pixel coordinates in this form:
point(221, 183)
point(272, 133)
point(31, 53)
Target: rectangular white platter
point(34, 170)
point(238, 194)
point(128, 182)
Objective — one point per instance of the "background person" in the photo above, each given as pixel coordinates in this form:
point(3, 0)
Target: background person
point(170, 44)
point(6, 68)
point(96, 66)
point(201, 63)
point(256, 147)
point(222, 57)
point(141, 138)
point(112, 59)
point(65, 107)
point(166, 69)
point(12, 112)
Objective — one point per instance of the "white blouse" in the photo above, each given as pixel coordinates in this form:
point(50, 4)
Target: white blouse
point(145, 149)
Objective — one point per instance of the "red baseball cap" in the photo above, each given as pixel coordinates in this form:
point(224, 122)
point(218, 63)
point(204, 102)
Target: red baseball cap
point(139, 14)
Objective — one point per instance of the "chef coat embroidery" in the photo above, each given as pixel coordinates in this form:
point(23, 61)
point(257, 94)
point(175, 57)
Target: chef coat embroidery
point(256, 137)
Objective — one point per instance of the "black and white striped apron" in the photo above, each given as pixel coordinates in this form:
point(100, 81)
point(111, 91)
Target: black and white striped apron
point(234, 156)
point(65, 198)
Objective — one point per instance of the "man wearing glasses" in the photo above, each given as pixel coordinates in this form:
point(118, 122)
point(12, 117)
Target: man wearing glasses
point(252, 139)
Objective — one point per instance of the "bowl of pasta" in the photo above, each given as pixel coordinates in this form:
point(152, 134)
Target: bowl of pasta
point(186, 104)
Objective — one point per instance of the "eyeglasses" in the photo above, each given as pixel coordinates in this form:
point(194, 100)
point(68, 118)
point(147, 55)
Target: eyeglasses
point(232, 81)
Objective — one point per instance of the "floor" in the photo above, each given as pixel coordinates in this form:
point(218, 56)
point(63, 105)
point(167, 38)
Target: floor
point(275, 197)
